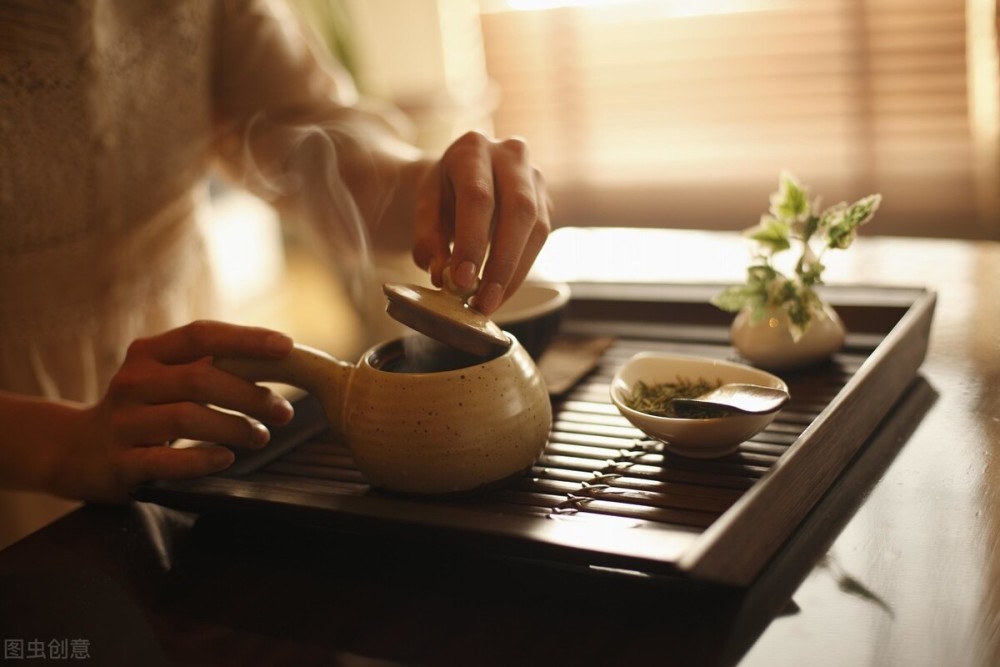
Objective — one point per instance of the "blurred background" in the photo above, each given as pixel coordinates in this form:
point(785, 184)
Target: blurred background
point(681, 113)
point(653, 113)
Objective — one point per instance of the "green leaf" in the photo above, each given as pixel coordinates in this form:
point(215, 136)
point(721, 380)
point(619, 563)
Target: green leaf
point(809, 268)
point(771, 233)
point(789, 220)
point(761, 274)
point(810, 227)
point(844, 220)
point(798, 313)
point(732, 299)
point(752, 294)
point(798, 318)
point(782, 291)
point(758, 314)
point(791, 201)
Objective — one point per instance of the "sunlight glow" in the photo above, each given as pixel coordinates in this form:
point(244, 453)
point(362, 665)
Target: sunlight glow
point(660, 7)
point(984, 105)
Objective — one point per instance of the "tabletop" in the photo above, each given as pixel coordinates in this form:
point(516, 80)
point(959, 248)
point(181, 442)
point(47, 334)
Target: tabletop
point(911, 576)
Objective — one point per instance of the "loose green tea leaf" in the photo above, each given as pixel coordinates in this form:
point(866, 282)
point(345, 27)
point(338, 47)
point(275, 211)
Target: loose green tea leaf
point(655, 399)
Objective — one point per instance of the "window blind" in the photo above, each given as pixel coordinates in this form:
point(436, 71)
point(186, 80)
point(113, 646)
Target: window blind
point(643, 115)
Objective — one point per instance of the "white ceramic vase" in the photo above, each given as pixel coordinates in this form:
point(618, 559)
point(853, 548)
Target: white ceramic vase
point(770, 344)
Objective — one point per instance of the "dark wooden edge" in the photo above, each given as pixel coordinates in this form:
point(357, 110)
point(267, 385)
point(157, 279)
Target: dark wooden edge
point(732, 551)
point(738, 544)
point(644, 547)
point(771, 591)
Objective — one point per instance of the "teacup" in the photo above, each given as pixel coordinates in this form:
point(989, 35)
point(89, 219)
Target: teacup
point(421, 417)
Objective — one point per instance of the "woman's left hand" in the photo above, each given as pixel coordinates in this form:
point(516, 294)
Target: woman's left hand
point(482, 202)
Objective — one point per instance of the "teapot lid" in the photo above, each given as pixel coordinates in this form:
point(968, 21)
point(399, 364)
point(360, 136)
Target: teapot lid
point(444, 316)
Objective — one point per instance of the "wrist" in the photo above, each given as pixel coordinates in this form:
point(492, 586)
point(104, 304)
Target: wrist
point(72, 460)
point(39, 442)
point(394, 229)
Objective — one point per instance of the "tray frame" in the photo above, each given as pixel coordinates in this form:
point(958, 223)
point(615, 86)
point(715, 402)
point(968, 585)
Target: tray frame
point(734, 548)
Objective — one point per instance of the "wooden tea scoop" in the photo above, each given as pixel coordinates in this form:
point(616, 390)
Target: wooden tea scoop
point(444, 316)
point(737, 397)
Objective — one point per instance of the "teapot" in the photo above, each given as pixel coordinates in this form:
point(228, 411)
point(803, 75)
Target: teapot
point(421, 416)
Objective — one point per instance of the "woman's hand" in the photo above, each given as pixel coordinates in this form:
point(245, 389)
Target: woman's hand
point(482, 197)
point(166, 389)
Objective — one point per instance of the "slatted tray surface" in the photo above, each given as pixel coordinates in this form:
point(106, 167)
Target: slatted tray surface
point(602, 494)
point(596, 462)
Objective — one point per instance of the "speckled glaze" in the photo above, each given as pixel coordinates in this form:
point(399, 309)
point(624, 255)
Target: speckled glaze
point(769, 343)
point(425, 432)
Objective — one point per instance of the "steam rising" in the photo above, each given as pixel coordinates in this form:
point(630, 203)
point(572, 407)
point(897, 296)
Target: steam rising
point(299, 169)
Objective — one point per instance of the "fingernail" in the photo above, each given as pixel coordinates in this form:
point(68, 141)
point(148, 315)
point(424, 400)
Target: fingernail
point(436, 269)
point(220, 458)
point(278, 344)
point(465, 274)
point(279, 409)
point(259, 435)
point(489, 297)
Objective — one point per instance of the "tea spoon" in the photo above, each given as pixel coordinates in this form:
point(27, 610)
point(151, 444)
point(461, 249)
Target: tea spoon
point(737, 397)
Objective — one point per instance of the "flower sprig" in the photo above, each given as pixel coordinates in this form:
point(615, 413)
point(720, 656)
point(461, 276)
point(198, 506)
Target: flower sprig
point(794, 220)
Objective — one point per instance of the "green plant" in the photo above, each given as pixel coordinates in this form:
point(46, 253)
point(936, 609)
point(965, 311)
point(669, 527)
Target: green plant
point(794, 221)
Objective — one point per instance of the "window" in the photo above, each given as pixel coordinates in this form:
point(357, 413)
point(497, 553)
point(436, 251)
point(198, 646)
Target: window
point(681, 113)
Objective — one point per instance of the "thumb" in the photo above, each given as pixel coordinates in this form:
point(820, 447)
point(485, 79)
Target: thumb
point(148, 463)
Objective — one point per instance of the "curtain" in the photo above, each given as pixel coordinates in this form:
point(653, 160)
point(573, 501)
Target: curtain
point(682, 114)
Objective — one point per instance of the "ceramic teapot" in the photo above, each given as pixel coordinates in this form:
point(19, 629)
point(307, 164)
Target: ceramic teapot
point(423, 417)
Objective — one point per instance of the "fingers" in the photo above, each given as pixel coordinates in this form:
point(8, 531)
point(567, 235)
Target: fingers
point(206, 338)
point(157, 424)
point(532, 247)
point(521, 228)
point(199, 382)
point(472, 181)
point(142, 464)
point(490, 202)
point(167, 389)
point(137, 436)
point(432, 228)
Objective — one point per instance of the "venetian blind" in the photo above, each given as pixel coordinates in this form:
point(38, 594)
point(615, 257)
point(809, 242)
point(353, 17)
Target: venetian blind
point(643, 114)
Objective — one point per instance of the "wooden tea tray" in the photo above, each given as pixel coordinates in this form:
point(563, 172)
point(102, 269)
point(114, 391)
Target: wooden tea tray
point(602, 495)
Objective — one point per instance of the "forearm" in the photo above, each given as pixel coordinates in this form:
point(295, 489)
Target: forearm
point(291, 128)
point(356, 177)
point(344, 172)
point(36, 438)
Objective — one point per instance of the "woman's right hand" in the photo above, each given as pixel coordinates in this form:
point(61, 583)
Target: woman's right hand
point(168, 389)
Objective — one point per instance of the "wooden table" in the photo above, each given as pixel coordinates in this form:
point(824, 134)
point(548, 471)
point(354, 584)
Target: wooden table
point(912, 578)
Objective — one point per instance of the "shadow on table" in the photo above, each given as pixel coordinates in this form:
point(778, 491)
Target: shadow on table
point(286, 587)
point(148, 585)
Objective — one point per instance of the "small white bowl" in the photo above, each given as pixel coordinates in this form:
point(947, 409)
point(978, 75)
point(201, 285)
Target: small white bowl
point(534, 314)
point(696, 438)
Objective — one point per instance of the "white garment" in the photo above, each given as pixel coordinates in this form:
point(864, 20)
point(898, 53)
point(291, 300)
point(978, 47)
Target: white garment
point(111, 115)
point(105, 138)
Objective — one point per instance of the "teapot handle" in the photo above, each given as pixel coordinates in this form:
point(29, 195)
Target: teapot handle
point(319, 373)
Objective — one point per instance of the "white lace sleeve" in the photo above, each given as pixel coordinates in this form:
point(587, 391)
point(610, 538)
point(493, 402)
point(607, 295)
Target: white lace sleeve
point(293, 129)
point(105, 127)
